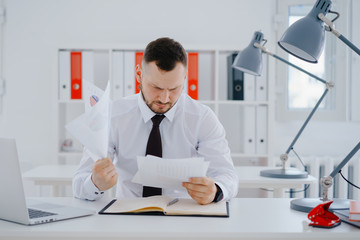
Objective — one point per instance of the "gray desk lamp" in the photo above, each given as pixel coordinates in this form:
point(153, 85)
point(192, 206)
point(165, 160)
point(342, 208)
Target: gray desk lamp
point(250, 61)
point(305, 40)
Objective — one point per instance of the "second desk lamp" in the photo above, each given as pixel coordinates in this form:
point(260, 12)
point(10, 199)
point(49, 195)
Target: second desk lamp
point(250, 61)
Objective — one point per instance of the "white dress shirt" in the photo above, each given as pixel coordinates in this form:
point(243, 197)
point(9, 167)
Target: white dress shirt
point(189, 129)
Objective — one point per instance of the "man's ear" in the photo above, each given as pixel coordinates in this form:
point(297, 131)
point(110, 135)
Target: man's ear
point(138, 73)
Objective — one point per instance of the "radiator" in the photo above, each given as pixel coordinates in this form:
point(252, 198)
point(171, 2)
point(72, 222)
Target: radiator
point(323, 166)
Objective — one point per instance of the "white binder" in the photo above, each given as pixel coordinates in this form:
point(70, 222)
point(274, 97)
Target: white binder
point(261, 129)
point(87, 66)
point(261, 82)
point(117, 74)
point(249, 130)
point(129, 73)
point(64, 76)
point(249, 87)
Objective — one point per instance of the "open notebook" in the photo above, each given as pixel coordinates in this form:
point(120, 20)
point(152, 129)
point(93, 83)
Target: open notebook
point(159, 205)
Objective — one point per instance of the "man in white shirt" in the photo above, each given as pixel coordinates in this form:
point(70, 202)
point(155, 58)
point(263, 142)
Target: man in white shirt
point(187, 129)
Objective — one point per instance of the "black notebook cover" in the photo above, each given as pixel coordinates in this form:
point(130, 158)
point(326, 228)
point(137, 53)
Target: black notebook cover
point(102, 211)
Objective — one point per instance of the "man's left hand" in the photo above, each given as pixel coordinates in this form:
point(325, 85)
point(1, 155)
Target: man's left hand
point(201, 189)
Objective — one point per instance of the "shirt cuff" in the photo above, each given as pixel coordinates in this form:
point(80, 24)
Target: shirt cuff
point(91, 191)
point(219, 194)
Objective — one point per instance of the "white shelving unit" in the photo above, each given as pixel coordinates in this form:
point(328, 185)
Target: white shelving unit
point(212, 92)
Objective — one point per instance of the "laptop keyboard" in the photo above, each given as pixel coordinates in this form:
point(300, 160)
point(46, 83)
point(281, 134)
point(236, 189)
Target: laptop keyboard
point(38, 213)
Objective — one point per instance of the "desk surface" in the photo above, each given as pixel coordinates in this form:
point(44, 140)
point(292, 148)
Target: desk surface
point(249, 177)
point(250, 218)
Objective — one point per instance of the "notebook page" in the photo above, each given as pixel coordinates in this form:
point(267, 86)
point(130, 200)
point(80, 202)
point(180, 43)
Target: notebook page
point(133, 204)
point(191, 207)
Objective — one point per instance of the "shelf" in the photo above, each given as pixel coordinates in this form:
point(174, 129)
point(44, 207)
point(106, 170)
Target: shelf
point(246, 155)
point(235, 102)
point(71, 101)
point(70, 154)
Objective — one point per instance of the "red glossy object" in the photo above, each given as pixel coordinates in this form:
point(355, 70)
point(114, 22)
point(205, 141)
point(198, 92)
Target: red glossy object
point(138, 59)
point(76, 91)
point(320, 216)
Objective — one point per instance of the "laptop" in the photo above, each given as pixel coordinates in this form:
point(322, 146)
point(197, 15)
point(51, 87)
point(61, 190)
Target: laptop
point(13, 205)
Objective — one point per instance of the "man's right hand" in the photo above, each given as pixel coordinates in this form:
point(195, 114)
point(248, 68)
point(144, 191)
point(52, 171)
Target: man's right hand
point(104, 174)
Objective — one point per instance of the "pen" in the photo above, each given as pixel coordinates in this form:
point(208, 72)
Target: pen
point(173, 201)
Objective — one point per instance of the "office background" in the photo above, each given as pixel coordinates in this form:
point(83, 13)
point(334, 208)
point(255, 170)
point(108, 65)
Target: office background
point(34, 29)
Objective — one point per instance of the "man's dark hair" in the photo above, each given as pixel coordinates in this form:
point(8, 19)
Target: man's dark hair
point(165, 52)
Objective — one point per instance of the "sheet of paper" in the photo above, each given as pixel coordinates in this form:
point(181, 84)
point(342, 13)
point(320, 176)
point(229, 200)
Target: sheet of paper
point(92, 127)
point(168, 173)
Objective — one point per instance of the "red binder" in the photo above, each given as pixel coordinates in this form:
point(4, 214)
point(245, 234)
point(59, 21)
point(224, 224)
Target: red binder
point(138, 60)
point(76, 75)
point(193, 75)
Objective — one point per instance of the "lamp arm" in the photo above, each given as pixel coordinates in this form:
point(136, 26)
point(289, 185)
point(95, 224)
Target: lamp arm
point(307, 120)
point(350, 44)
point(263, 49)
point(345, 161)
point(327, 181)
point(329, 85)
point(337, 34)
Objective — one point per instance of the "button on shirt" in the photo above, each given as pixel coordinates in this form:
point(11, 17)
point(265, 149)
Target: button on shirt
point(189, 129)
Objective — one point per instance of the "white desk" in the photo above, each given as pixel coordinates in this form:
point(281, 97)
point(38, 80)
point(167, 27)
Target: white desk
point(53, 175)
point(250, 218)
point(249, 177)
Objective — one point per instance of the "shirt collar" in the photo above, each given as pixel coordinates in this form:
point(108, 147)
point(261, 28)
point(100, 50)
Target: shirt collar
point(147, 113)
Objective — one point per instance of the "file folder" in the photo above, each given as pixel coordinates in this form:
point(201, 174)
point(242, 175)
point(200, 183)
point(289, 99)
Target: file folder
point(76, 91)
point(64, 76)
point(261, 129)
point(193, 75)
point(117, 74)
point(249, 129)
point(261, 82)
point(138, 60)
point(87, 66)
point(235, 80)
point(129, 73)
point(249, 87)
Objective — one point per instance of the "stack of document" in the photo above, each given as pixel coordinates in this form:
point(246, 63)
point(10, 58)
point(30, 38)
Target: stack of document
point(168, 173)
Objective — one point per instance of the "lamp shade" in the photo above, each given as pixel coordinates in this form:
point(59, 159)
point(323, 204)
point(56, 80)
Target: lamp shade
point(305, 38)
point(249, 60)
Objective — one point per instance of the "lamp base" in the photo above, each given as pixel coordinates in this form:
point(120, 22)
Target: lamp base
point(284, 173)
point(306, 204)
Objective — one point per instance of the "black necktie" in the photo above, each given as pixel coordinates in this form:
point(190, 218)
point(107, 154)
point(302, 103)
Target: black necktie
point(154, 148)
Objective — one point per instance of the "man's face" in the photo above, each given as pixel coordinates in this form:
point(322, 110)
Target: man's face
point(162, 89)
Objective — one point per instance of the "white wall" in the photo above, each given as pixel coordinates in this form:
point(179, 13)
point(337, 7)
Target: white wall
point(35, 28)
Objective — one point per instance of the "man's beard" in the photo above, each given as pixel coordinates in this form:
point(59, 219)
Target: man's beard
point(152, 106)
